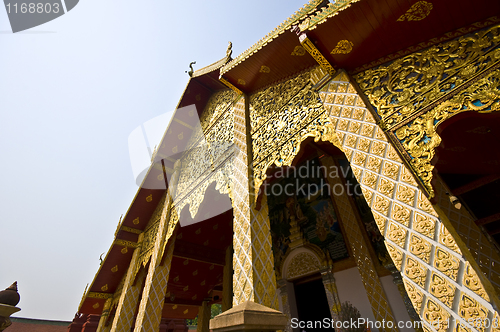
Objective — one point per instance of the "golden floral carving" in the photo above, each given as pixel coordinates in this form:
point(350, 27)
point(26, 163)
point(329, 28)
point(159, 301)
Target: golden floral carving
point(415, 271)
point(416, 296)
point(381, 204)
point(424, 225)
point(343, 47)
point(433, 313)
point(351, 140)
point(472, 282)
point(469, 308)
point(401, 214)
point(397, 234)
point(396, 255)
point(367, 130)
point(442, 289)
point(380, 221)
point(370, 179)
point(374, 164)
point(302, 264)
point(391, 170)
point(446, 263)
point(298, 51)
point(393, 155)
point(359, 158)
point(368, 194)
point(264, 69)
point(407, 177)
point(417, 12)
point(386, 187)
point(405, 194)
point(357, 114)
point(420, 248)
point(364, 144)
point(424, 204)
point(354, 127)
point(447, 239)
point(378, 148)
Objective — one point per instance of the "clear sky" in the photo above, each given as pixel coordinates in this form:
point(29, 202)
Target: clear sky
point(71, 92)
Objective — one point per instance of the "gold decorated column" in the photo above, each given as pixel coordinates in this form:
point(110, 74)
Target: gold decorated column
point(104, 314)
point(373, 286)
point(124, 316)
point(227, 281)
point(204, 314)
point(253, 262)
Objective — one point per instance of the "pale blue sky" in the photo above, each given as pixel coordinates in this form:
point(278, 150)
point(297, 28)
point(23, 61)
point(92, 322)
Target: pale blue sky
point(71, 92)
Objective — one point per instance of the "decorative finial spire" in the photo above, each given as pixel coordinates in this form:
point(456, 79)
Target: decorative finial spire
point(191, 71)
point(229, 50)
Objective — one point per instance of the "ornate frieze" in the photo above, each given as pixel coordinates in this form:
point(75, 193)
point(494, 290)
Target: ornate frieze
point(282, 116)
point(413, 95)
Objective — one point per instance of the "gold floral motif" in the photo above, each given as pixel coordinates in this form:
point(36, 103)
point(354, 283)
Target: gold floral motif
point(447, 239)
point(357, 114)
point(407, 177)
point(405, 194)
point(354, 127)
point(303, 264)
point(397, 234)
point(374, 164)
point(417, 12)
point(433, 313)
point(393, 155)
point(442, 289)
point(446, 263)
point(396, 255)
point(391, 170)
point(241, 81)
point(401, 214)
point(386, 187)
point(363, 144)
point(469, 308)
point(359, 158)
point(380, 221)
point(350, 141)
point(368, 194)
point(298, 51)
point(424, 225)
point(420, 248)
point(370, 179)
point(343, 47)
point(378, 148)
point(424, 204)
point(415, 295)
point(367, 131)
point(264, 69)
point(472, 282)
point(381, 204)
point(415, 271)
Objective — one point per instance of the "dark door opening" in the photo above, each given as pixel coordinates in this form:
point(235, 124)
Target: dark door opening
point(312, 304)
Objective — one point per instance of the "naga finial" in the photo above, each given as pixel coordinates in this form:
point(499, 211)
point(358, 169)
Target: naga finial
point(191, 71)
point(229, 50)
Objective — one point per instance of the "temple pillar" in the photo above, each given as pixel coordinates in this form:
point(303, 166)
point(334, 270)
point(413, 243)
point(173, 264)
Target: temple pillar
point(284, 303)
point(155, 288)
point(331, 293)
point(227, 281)
point(254, 278)
point(359, 246)
point(104, 315)
point(125, 311)
point(204, 314)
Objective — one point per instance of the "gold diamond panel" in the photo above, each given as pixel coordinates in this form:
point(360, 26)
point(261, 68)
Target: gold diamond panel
point(418, 242)
point(366, 268)
point(475, 240)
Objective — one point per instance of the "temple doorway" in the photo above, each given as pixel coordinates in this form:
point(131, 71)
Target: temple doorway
point(310, 296)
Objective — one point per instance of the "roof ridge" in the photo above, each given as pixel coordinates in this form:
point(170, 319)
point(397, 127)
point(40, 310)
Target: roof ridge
point(321, 16)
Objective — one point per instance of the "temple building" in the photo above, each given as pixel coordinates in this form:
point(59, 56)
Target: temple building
point(346, 165)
